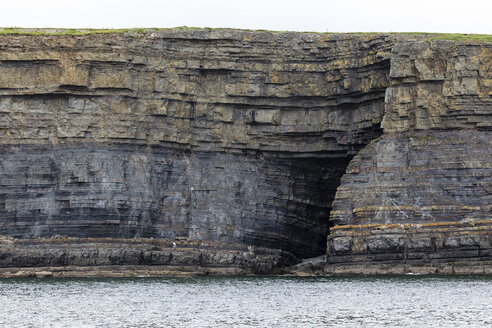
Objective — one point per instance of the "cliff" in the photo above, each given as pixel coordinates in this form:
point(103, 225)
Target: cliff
point(429, 175)
point(220, 151)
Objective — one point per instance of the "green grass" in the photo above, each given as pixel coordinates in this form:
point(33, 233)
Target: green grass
point(464, 37)
point(71, 31)
point(88, 31)
point(140, 31)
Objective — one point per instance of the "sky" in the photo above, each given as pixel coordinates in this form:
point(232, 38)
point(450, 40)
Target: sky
point(447, 16)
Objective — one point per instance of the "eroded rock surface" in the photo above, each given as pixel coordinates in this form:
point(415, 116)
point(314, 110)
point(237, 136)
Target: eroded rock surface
point(220, 151)
point(419, 198)
point(228, 138)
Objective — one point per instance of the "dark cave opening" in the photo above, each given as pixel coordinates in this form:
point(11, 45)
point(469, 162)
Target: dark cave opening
point(315, 178)
point(302, 205)
point(315, 183)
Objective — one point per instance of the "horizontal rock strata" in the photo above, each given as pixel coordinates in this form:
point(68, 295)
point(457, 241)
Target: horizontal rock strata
point(220, 151)
point(68, 256)
point(213, 137)
point(215, 90)
point(419, 198)
point(124, 191)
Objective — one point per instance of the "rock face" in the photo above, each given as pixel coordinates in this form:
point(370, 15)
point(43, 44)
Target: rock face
point(220, 151)
point(227, 140)
point(429, 175)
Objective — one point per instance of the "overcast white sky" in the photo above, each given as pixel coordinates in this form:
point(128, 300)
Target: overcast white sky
point(451, 16)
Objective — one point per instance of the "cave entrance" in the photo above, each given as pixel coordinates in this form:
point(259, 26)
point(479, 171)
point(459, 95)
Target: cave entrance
point(294, 215)
point(315, 182)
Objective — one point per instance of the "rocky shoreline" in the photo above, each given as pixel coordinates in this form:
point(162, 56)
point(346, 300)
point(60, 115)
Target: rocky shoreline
point(92, 257)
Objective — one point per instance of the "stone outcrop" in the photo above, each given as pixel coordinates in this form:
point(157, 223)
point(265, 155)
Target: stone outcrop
point(228, 140)
point(220, 151)
point(429, 175)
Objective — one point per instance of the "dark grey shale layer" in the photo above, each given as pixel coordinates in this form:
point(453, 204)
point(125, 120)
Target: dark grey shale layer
point(123, 191)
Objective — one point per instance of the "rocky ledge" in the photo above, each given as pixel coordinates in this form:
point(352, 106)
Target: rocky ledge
point(220, 152)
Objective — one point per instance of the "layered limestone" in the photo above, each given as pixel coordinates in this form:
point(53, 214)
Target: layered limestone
point(418, 199)
point(232, 142)
point(220, 152)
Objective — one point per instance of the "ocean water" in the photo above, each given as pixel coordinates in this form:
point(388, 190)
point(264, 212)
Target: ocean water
point(403, 301)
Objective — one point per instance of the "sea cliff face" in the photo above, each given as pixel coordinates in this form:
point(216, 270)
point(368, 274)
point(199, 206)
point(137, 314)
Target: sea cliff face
point(220, 151)
point(429, 175)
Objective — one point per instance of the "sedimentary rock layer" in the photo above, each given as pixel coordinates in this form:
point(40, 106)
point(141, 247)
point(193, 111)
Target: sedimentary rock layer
point(123, 191)
point(215, 90)
point(214, 137)
point(68, 256)
point(421, 194)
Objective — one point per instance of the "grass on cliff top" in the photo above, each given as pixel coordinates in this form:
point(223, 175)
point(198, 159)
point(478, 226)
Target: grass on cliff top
point(75, 31)
point(464, 37)
point(70, 31)
point(89, 31)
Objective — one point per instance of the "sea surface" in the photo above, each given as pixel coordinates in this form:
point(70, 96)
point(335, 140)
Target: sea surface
point(400, 301)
